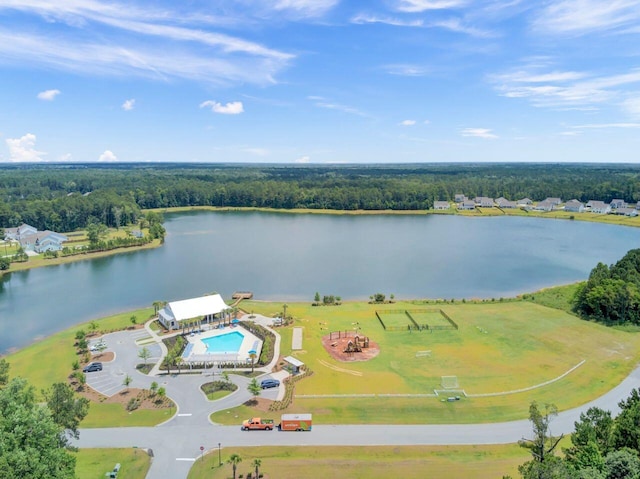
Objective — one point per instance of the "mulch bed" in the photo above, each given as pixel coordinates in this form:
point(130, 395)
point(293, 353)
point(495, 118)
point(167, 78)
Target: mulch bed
point(337, 351)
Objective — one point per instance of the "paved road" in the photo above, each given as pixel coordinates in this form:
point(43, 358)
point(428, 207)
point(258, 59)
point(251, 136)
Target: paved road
point(176, 443)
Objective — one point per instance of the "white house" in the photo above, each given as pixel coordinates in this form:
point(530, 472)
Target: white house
point(42, 241)
point(599, 207)
point(554, 201)
point(625, 211)
point(14, 234)
point(524, 202)
point(505, 203)
point(202, 309)
point(544, 206)
point(617, 203)
point(441, 205)
point(484, 202)
point(467, 205)
point(459, 198)
point(574, 206)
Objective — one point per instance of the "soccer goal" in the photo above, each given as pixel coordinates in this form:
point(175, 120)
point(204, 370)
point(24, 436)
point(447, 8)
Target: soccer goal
point(449, 382)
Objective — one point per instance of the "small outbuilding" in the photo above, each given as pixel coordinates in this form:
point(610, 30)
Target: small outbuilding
point(294, 364)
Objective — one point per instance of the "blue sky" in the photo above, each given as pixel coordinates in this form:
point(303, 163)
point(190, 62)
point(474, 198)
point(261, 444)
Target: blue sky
point(320, 81)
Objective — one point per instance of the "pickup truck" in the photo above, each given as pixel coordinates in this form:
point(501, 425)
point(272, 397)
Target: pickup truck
point(256, 423)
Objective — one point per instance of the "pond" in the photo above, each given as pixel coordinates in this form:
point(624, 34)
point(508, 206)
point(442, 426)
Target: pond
point(290, 257)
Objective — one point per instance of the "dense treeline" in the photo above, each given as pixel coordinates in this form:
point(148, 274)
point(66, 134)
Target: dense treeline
point(602, 446)
point(68, 197)
point(612, 294)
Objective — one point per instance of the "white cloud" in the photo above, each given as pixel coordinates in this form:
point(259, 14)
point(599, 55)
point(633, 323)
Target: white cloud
point(479, 133)
point(23, 149)
point(570, 133)
point(455, 25)
point(424, 5)
point(107, 156)
point(578, 17)
point(566, 90)
point(305, 7)
point(408, 122)
point(607, 125)
point(65, 157)
point(362, 19)
point(129, 104)
point(323, 103)
point(61, 40)
point(632, 106)
point(407, 70)
point(231, 108)
point(48, 95)
point(303, 159)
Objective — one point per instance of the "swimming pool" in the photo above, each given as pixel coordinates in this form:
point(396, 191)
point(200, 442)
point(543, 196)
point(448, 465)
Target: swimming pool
point(224, 343)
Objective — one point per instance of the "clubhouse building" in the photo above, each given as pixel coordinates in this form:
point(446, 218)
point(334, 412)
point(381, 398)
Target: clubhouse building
point(193, 312)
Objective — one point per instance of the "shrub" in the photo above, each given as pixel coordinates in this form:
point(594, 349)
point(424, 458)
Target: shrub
point(133, 404)
point(289, 384)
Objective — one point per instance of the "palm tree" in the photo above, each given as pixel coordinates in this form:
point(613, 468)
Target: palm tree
point(252, 355)
point(157, 306)
point(284, 314)
point(257, 463)
point(234, 460)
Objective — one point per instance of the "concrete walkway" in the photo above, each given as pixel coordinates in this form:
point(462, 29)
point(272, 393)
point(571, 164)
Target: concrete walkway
point(296, 339)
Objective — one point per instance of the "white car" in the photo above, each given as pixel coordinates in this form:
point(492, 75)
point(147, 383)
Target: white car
point(98, 346)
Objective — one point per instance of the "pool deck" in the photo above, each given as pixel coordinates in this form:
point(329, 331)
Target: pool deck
point(199, 352)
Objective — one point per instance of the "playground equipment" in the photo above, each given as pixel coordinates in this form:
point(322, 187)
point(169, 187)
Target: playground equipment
point(357, 344)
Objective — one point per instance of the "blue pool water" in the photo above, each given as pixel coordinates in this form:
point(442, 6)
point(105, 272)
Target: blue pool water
point(225, 343)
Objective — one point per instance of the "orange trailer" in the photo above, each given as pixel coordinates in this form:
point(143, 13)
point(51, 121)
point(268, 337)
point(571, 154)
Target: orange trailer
point(295, 422)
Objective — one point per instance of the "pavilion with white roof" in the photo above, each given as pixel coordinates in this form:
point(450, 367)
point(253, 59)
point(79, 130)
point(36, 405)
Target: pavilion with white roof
point(203, 309)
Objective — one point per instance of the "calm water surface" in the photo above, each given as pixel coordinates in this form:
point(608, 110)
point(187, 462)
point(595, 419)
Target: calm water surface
point(288, 257)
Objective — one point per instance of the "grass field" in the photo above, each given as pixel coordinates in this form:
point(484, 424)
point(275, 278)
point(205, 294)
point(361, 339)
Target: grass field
point(443, 462)
point(500, 347)
point(431, 316)
point(94, 463)
point(395, 319)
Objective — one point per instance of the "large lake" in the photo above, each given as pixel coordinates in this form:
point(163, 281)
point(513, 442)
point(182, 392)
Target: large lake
point(288, 257)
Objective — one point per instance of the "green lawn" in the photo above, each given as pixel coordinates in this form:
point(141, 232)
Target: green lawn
point(94, 463)
point(60, 354)
point(443, 462)
point(116, 415)
point(500, 347)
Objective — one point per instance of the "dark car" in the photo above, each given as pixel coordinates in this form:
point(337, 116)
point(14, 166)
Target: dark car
point(269, 383)
point(89, 368)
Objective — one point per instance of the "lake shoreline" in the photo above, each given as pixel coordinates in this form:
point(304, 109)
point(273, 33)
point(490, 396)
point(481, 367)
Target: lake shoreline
point(478, 213)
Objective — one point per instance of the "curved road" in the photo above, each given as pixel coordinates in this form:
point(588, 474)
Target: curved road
point(176, 443)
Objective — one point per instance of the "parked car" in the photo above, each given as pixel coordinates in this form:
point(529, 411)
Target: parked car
point(269, 383)
point(91, 367)
point(98, 346)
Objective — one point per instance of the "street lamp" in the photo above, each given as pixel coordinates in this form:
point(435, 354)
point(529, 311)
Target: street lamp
point(219, 456)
